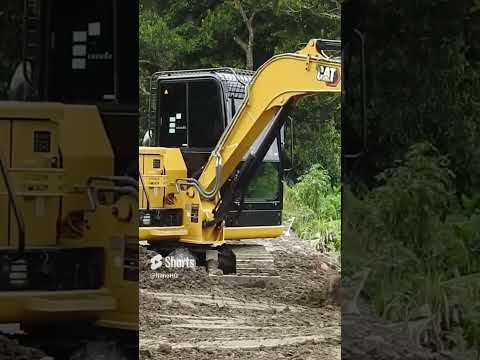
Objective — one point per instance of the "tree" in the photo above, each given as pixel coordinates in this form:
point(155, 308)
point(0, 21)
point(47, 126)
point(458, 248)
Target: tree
point(247, 46)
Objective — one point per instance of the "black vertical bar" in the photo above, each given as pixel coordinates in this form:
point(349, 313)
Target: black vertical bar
point(115, 23)
point(187, 112)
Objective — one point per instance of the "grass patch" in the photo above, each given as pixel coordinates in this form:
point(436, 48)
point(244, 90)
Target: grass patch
point(312, 207)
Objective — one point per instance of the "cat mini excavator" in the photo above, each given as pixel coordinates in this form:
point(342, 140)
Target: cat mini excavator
point(68, 206)
point(187, 197)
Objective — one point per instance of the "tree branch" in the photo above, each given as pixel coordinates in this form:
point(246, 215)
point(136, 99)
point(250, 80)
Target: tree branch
point(246, 46)
point(330, 16)
point(148, 62)
point(241, 43)
point(238, 4)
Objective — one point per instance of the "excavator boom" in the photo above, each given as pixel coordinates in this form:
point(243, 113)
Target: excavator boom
point(281, 80)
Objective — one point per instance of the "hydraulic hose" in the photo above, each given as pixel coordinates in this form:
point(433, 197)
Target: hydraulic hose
point(207, 195)
point(16, 212)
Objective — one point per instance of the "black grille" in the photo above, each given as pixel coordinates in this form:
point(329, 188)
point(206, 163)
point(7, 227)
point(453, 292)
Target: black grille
point(130, 260)
point(160, 217)
point(41, 141)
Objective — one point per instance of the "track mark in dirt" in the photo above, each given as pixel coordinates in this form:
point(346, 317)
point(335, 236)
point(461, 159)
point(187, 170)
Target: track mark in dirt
point(199, 317)
point(215, 301)
point(246, 344)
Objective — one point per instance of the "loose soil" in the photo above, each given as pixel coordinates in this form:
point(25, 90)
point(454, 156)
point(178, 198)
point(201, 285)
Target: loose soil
point(196, 316)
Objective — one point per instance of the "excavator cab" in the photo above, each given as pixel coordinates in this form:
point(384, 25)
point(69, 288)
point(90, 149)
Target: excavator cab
point(190, 110)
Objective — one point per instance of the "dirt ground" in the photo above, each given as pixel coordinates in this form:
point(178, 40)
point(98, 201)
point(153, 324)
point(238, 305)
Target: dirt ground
point(11, 350)
point(195, 316)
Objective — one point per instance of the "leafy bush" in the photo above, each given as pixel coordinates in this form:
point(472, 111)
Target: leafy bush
point(419, 241)
point(312, 205)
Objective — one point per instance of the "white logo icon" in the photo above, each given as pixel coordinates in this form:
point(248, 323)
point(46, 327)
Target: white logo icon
point(156, 262)
point(327, 74)
point(180, 260)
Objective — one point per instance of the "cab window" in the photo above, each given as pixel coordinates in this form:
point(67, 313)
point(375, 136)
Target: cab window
point(190, 114)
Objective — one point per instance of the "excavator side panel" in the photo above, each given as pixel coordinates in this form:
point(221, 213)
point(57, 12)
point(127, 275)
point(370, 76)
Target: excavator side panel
point(91, 272)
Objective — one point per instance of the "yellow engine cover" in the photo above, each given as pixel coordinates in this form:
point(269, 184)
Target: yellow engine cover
point(29, 149)
point(50, 151)
point(156, 182)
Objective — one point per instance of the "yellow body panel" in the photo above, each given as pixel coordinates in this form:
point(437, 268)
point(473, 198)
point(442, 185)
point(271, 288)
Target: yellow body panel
point(78, 132)
point(162, 233)
point(38, 186)
point(153, 163)
point(33, 306)
point(253, 232)
point(231, 233)
point(159, 181)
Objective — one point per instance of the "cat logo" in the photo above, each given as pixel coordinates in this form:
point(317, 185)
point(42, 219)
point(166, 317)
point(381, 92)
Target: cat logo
point(328, 74)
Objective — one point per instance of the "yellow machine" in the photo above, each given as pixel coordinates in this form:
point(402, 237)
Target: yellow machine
point(68, 215)
point(68, 230)
point(68, 244)
point(178, 210)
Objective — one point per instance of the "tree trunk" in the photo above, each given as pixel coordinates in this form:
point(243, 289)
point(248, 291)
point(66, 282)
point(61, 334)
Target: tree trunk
point(247, 46)
point(250, 49)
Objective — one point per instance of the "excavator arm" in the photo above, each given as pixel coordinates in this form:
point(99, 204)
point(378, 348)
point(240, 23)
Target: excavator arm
point(282, 80)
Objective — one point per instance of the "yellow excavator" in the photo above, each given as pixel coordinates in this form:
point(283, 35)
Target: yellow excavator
point(196, 177)
point(68, 202)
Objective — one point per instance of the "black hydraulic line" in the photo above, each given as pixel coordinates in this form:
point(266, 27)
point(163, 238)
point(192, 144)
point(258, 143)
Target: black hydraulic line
point(145, 191)
point(16, 211)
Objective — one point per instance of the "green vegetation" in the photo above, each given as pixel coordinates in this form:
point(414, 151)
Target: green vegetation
point(265, 184)
point(421, 242)
point(313, 207)
point(412, 211)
